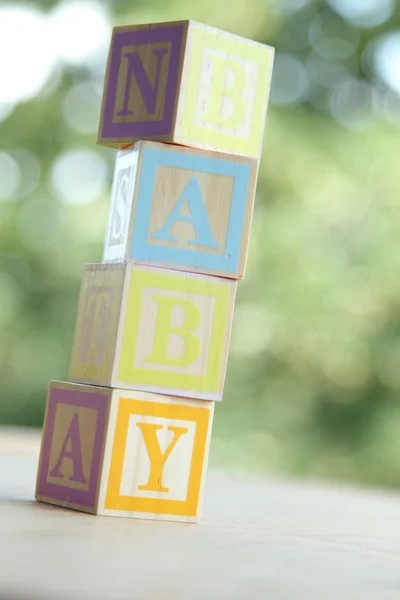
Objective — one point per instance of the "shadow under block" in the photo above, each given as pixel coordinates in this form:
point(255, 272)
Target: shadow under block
point(154, 330)
point(122, 453)
point(182, 208)
point(186, 83)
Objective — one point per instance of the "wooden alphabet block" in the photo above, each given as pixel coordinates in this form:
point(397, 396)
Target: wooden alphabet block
point(122, 453)
point(152, 329)
point(182, 208)
point(186, 83)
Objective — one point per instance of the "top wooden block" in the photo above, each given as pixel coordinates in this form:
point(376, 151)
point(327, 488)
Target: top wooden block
point(185, 83)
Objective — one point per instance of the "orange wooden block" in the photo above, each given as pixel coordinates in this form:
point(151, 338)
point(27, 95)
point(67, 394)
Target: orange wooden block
point(122, 453)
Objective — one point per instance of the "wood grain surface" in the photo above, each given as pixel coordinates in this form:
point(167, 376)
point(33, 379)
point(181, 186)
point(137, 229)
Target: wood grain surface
point(154, 330)
point(258, 539)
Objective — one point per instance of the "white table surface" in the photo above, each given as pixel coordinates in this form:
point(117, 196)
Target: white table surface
point(258, 539)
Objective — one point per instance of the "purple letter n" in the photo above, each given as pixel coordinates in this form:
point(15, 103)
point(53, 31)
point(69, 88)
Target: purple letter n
point(136, 69)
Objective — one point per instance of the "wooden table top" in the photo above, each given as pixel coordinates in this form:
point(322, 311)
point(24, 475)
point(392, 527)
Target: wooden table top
point(258, 539)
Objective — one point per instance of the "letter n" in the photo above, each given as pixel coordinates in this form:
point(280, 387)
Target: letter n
point(219, 91)
point(148, 91)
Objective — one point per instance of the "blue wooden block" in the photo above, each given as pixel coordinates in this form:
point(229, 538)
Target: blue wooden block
point(181, 208)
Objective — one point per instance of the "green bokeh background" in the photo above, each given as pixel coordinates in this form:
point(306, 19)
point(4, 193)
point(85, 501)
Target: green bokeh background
point(313, 381)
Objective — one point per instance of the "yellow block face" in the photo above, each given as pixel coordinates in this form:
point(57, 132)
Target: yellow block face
point(227, 91)
point(96, 324)
point(176, 333)
point(158, 457)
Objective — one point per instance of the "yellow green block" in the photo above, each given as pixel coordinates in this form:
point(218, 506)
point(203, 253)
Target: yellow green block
point(153, 329)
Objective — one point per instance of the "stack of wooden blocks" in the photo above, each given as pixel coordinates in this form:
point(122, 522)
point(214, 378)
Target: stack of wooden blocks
point(185, 105)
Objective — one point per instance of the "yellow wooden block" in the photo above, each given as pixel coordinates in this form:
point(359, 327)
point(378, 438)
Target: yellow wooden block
point(123, 453)
point(187, 83)
point(152, 329)
point(181, 208)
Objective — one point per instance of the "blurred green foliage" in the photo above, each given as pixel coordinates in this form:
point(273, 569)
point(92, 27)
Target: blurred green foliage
point(313, 378)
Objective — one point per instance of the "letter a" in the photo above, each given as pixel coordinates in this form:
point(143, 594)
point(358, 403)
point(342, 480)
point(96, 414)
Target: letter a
point(163, 330)
point(198, 217)
point(75, 454)
point(219, 90)
point(156, 457)
point(136, 69)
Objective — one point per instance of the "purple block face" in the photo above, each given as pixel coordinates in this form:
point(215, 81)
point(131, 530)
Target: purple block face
point(72, 446)
point(142, 82)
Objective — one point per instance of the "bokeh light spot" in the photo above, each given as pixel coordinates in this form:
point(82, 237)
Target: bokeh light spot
point(352, 104)
point(30, 170)
point(32, 61)
point(252, 332)
point(290, 80)
point(79, 176)
point(10, 176)
point(391, 108)
point(364, 13)
point(80, 30)
point(82, 108)
point(332, 39)
point(328, 74)
point(387, 60)
point(39, 222)
point(291, 6)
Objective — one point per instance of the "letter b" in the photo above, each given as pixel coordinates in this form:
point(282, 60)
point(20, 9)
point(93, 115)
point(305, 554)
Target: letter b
point(163, 330)
point(219, 90)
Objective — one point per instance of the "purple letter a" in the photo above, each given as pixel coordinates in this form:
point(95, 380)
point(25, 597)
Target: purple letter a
point(75, 455)
point(149, 94)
